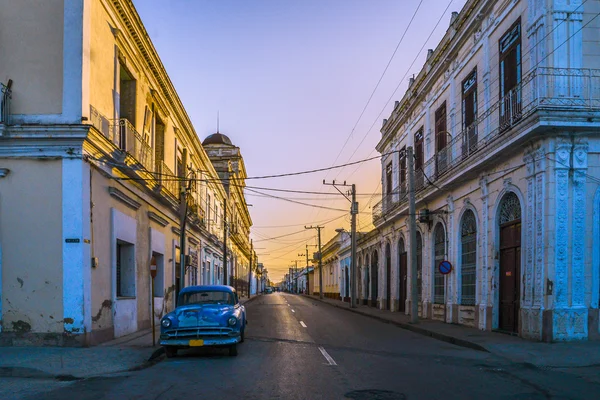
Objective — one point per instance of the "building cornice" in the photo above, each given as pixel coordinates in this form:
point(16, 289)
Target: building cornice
point(157, 218)
point(123, 198)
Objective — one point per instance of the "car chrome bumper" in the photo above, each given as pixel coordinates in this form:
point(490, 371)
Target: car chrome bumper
point(213, 341)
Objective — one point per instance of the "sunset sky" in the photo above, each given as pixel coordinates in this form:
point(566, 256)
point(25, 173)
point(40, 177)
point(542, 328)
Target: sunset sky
point(290, 79)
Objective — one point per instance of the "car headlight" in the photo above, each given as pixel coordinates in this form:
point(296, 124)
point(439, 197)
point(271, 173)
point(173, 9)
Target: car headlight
point(232, 321)
point(166, 322)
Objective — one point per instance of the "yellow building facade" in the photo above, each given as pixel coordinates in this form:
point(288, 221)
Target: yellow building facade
point(95, 149)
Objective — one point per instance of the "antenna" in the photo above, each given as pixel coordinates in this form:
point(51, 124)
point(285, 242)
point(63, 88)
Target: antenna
point(217, 122)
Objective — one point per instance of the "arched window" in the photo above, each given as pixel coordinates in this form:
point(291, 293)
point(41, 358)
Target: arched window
point(468, 267)
point(440, 254)
point(419, 265)
point(510, 209)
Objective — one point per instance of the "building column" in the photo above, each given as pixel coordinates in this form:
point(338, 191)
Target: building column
point(486, 302)
point(451, 293)
point(570, 313)
point(76, 248)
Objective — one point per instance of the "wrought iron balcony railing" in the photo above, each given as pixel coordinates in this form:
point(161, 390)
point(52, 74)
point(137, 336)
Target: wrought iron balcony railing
point(389, 202)
point(132, 142)
point(104, 125)
point(549, 89)
point(5, 98)
point(167, 178)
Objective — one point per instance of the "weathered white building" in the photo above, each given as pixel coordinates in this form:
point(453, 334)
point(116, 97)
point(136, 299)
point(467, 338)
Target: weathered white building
point(504, 121)
point(94, 151)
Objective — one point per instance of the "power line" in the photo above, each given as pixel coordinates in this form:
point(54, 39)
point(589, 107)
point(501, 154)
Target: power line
point(288, 226)
point(297, 202)
point(278, 237)
point(379, 81)
point(400, 83)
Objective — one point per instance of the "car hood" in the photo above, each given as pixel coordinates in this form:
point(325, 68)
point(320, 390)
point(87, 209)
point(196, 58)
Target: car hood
point(201, 315)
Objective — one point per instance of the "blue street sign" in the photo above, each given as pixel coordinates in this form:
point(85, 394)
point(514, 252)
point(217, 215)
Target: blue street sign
point(445, 267)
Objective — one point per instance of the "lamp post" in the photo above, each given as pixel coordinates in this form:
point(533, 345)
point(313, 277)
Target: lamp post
point(153, 275)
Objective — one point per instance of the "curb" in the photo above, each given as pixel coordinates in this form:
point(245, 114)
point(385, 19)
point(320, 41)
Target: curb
point(250, 299)
point(413, 328)
point(157, 353)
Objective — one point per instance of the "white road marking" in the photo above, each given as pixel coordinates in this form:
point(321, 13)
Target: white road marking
point(303, 324)
point(330, 360)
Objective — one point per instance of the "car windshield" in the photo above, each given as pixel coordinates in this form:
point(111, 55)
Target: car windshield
point(207, 297)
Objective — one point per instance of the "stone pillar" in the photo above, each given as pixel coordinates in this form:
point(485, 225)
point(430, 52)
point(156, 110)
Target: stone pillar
point(561, 247)
point(451, 298)
point(486, 302)
point(579, 212)
point(539, 248)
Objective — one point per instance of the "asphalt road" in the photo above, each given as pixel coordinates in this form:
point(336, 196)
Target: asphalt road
point(300, 348)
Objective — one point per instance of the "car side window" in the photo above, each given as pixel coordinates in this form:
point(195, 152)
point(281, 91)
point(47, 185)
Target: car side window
point(235, 299)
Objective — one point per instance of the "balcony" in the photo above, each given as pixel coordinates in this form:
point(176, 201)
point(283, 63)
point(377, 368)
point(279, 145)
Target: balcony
point(124, 136)
point(5, 97)
point(543, 89)
point(167, 178)
point(389, 202)
point(104, 125)
point(134, 144)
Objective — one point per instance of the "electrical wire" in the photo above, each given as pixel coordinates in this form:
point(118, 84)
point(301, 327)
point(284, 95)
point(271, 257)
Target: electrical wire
point(524, 56)
point(379, 81)
point(324, 222)
point(296, 202)
point(278, 237)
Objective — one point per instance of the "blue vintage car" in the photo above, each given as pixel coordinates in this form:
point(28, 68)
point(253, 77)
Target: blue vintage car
point(205, 316)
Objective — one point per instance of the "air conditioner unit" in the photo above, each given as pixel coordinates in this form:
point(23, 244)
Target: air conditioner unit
point(424, 215)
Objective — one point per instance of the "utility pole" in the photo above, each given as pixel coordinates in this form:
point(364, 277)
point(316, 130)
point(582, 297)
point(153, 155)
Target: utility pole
point(353, 212)
point(414, 297)
point(353, 271)
point(250, 268)
point(225, 274)
point(307, 273)
point(182, 221)
point(318, 228)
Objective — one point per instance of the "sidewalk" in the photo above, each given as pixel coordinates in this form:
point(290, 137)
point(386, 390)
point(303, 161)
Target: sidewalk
point(128, 353)
point(551, 355)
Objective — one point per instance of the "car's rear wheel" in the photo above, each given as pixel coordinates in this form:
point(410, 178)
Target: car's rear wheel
point(170, 351)
point(233, 350)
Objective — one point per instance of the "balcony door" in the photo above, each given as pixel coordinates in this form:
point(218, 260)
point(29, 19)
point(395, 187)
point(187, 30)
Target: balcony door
point(441, 140)
point(469, 114)
point(419, 159)
point(510, 76)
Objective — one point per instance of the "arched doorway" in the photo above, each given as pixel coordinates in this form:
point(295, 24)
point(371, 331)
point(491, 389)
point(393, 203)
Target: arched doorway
point(374, 278)
point(367, 280)
point(388, 276)
point(509, 220)
point(439, 243)
point(402, 276)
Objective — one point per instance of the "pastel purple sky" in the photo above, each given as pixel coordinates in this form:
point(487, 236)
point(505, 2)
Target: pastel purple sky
point(290, 79)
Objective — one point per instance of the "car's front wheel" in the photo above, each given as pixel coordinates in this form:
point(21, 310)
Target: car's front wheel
point(170, 351)
point(233, 350)
point(242, 334)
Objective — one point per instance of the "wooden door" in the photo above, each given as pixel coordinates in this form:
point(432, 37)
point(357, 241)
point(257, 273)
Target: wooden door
point(510, 271)
point(403, 281)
